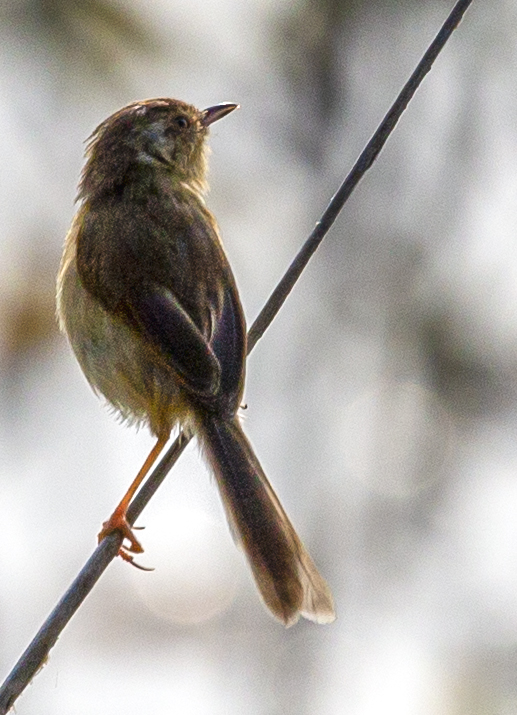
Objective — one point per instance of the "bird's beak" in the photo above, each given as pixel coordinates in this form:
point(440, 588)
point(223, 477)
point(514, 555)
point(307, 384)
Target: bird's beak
point(212, 114)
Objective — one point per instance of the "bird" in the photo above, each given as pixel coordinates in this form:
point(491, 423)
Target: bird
point(150, 306)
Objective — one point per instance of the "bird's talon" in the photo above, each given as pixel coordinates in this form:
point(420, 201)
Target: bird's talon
point(130, 560)
point(119, 522)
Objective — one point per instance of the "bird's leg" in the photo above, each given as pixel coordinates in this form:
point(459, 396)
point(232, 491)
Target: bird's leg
point(118, 520)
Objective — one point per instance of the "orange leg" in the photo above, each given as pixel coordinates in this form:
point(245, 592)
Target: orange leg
point(118, 520)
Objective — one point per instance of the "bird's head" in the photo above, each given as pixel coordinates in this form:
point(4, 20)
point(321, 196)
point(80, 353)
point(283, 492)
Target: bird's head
point(161, 134)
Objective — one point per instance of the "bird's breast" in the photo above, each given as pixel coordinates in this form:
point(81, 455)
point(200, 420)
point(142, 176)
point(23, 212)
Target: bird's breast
point(115, 360)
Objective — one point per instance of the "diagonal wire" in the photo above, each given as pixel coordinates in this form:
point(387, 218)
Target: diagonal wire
point(38, 650)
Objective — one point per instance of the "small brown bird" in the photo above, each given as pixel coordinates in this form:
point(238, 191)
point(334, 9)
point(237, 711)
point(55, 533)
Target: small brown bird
point(149, 303)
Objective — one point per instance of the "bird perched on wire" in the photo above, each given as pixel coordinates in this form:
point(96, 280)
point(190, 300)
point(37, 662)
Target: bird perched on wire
point(149, 303)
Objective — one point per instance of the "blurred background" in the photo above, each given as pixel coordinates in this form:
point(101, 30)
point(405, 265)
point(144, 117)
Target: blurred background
point(382, 401)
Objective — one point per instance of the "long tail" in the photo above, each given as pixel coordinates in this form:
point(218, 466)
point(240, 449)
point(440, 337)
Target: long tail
point(285, 574)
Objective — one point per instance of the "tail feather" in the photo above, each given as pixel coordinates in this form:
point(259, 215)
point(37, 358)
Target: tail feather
point(286, 576)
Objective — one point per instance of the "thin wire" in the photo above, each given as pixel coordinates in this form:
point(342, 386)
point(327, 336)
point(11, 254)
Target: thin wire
point(38, 650)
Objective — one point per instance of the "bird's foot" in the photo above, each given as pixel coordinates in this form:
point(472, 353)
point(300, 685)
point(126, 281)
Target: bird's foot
point(118, 522)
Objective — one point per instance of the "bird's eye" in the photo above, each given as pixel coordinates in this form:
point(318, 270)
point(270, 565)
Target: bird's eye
point(181, 122)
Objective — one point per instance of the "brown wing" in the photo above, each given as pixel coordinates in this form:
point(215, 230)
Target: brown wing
point(166, 275)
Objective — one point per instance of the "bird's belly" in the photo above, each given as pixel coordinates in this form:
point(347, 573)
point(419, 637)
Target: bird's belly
point(116, 361)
